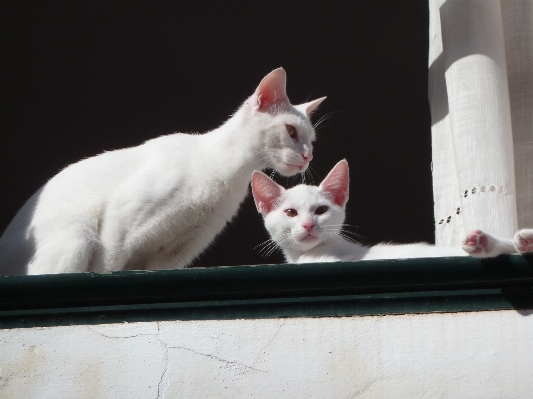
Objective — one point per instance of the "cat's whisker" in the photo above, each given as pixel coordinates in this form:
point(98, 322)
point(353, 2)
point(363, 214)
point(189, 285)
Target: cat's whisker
point(348, 238)
point(343, 225)
point(339, 229)
point(275, 248)
point(322, 127)
point(325, 117)
point(285, 238)
point(277, 165)
point(324, 137)
point(303, 178)
point(353, 234)
point(271, 249)
point(319, 121)
point(268, 248)
point(310, 173)
point(302, 175)
point(264, 243)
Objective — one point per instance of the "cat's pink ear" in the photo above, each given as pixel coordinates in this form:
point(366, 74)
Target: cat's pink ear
point(308, 108)
point(337, 182)
point(266, 192)
point(271, 90)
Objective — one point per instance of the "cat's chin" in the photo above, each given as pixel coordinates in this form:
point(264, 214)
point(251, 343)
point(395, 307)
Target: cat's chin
point(290, 170)
point(309, 238)
point(308, 241)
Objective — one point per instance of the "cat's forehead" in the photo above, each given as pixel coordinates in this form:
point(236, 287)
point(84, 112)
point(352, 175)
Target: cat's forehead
point(303, 196)
point(293, 116)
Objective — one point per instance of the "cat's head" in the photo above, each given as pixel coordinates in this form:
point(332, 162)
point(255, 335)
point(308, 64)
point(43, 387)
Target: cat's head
point(300, 218)
point(286, 131)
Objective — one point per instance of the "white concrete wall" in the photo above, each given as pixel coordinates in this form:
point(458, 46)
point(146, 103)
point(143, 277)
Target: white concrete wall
point(456, 355)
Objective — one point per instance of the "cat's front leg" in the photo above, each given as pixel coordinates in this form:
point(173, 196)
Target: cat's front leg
point(524, 241)
point(483, 245)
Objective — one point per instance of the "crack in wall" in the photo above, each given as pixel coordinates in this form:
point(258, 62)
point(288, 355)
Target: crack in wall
point(269, 341)
point(119, 337)
point(366, 387)
point(165, 348)
point(163, 345)
point(166, 356)
point(229, 362)
point(161, 389)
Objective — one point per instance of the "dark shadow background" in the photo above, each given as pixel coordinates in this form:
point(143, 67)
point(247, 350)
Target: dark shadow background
point(80, 77)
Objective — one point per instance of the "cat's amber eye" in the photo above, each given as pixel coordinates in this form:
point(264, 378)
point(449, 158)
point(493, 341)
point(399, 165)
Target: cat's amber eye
point(291, 130)
point(321, 210)
point(291, 212)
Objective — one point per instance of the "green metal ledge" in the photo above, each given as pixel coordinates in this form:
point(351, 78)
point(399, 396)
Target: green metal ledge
point(268, 291)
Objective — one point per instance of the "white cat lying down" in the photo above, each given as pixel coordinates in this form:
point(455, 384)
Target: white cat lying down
point(306, 223)
point(160, 204)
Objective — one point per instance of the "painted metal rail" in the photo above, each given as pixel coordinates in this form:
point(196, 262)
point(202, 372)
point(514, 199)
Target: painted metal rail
point(269, 291)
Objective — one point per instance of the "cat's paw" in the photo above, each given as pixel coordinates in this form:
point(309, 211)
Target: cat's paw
point(524, 241)
point(478, 243)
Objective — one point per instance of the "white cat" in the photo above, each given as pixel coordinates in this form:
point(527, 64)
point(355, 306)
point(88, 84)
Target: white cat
point(158, 205)
point(306, 223)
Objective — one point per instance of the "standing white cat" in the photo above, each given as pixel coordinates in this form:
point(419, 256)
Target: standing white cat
point(160, 204)
point(306, 223)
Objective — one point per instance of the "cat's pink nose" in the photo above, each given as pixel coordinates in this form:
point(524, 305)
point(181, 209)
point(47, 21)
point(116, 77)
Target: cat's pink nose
point(308, 226)
point(307, 157)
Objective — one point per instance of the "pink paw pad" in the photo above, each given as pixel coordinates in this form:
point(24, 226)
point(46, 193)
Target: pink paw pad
point(476, 242)
point(524, 241)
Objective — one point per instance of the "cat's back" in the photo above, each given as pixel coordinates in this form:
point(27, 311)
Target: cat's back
point(112, 167)
point(86, 187)
point(93, 180)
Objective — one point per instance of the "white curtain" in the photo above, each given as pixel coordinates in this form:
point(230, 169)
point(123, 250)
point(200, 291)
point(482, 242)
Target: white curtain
point(481, 99)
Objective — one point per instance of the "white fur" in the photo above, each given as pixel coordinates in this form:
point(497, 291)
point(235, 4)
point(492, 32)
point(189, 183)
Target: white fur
point(160, 204)
point(326, 242)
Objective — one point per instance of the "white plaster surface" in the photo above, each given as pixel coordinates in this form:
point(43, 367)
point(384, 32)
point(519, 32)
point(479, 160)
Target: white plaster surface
point(455, 355)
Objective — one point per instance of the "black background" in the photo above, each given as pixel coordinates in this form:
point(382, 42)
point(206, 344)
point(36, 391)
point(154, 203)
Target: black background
point(80, 77)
